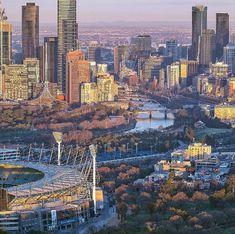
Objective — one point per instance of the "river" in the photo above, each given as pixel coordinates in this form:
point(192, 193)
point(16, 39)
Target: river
point(158, 122)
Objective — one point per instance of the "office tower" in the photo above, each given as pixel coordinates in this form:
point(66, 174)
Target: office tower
point(5, 40)
point(229, 57)
point(40, 57)
point(50, 59)
point(184, 51)
point(188, 68)
point(67, 30)
point(152, 67)
point(207, 47)
point(77, 72)
point(173, 76)
point(141, 46)
point(94, 52)
point(121, 53)
point(199, 23)
point(222, 33)
point(172, 49)
point(30, 30)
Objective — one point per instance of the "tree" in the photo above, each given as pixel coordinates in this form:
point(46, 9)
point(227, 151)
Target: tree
point(180, 197)
point(206, 219)
point(219, 217)
point(122, 209)
point(217, 198)
point(200, 199)
point(189, 134)
point(199, 196)
point(177, 221)
point(230, 184)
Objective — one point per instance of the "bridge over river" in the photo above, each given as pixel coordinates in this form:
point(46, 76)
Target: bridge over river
point(157, 114)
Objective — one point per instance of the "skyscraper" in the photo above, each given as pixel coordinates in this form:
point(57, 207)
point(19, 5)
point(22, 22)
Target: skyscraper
point(141, 46)
point(30, 30)
point(5, 40)
point(229, 57)
point(199, 23)
point(94, 52)
point(222, 33)
point(121, 53)
point(67, 30)
point(233, 38)
point(172, 49)
point(207, 47)
point(50, 58)
point(77, 72)
point(173, 76)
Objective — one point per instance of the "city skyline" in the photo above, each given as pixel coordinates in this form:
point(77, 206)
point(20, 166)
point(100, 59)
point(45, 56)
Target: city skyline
point(123, 11)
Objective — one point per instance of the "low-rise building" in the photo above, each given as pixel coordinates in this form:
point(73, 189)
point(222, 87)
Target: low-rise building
point(225, 112)
point(198, 151)
point(219, 70)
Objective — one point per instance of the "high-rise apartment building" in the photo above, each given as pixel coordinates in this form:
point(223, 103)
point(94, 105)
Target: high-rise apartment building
point(173, 76)
point(103, 90)
point(107, 89)
point(199, 24)
point(222, 33)
point(67, 30)
point(50, 59)
point(207, 47)
point(77, 72)
point(18, 79)
point(30, 30)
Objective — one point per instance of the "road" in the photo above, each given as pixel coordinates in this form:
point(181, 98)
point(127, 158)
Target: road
point(133, 159)
point(107, 217)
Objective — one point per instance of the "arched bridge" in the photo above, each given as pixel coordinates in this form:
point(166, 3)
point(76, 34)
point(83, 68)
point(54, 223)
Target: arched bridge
point(157, 114)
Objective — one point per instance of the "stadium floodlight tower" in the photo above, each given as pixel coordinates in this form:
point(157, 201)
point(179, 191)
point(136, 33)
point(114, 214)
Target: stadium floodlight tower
point(92, 149)
point(58, 138)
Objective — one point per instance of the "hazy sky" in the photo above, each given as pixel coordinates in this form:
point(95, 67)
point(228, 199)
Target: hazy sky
point(124, 10)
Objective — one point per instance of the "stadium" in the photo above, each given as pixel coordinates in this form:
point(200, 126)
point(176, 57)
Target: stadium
point(46, 190)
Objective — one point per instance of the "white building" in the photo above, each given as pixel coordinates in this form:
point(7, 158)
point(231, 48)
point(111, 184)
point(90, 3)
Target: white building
point(173, 76)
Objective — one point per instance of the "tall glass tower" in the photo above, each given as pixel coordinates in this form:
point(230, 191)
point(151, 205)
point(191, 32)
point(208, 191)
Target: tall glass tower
point(5, 39)
point(222, 33)
point(199, 24)
point(67, 30)
point(30, 30)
